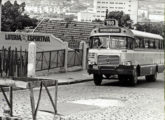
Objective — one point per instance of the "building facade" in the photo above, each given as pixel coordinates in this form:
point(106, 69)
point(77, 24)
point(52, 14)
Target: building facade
point(86, 16)
point(127, 6)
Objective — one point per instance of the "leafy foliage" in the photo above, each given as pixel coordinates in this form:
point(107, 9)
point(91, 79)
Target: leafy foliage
point(13, 17)
point(156, 28)
point(123, 19)
point(97, 20)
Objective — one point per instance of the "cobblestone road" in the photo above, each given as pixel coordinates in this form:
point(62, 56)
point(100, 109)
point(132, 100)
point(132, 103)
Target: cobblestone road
point(143, 102)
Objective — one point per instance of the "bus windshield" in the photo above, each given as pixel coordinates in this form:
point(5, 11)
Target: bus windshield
point(112, 42)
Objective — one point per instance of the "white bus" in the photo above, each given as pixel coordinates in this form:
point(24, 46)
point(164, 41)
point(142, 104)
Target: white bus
point(126, 53)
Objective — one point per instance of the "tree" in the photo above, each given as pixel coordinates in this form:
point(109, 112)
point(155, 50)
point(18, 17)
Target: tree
point(97, 20)
point(123, 19)
point(13, 17)
point(156, 28)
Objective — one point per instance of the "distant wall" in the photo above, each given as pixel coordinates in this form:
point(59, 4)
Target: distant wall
point(67, 31)
point(45, 42)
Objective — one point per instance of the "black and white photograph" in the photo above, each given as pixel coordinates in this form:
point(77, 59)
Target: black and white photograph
point(82, 59)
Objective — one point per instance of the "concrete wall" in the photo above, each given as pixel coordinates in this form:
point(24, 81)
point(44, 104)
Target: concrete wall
point(44, 42)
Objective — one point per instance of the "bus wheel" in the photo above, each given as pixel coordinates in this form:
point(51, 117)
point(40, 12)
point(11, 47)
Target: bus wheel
point(97, 79)
point(151, 78)
point(123, 79)
point(133, 79)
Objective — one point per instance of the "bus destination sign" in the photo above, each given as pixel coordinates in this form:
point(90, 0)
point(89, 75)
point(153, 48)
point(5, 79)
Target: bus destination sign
point(111, 22)
point(109, 30)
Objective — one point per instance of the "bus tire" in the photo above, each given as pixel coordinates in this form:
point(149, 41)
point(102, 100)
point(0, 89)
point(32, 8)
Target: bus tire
point(133, 79)
point(151, 78)
point(123, 79)
point(97, 79)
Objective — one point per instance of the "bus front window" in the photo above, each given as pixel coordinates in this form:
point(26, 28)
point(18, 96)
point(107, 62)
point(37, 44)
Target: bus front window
point(104, 42)
point(99, 42)
point(117, 42)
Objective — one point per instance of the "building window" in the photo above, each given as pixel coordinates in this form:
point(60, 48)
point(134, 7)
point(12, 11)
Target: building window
point(121, 3)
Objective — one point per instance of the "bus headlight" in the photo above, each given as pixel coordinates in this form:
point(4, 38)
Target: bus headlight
point(127, 63)
point(91, 62)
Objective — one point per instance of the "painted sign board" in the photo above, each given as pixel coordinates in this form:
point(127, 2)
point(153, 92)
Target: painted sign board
point(44, 42)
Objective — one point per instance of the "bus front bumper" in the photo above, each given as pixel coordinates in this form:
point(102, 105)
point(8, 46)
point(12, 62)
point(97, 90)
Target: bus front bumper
point(119, 70)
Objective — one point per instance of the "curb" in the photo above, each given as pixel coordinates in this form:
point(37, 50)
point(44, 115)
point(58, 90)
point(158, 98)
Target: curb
point(60, 83)
point(74, 82)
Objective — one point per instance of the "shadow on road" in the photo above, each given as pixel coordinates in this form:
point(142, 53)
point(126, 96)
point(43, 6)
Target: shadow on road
point(142, 83)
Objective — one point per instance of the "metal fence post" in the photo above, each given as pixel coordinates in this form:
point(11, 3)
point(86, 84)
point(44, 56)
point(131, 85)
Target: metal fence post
point(50, 59)
point(66, 57)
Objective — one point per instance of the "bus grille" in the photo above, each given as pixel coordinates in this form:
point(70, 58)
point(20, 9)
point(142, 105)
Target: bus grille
point(108, 60)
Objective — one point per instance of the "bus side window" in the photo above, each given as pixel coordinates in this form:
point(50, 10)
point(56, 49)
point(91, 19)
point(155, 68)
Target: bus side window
point(162, 44)
point(156, 44)
point(152, 44)
point(137, 42)
point(147, 43)
point(141, 42)
point(129, 44)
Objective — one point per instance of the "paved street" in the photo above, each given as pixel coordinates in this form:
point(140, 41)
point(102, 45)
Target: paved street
point(111, 101)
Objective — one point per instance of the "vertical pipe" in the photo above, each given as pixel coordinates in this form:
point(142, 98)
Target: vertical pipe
point(32, 101)
point(57, 58)
point(42, 53)
point(56, 90)
point(21, 62)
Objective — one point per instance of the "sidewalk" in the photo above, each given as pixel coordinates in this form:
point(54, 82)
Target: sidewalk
point(69, 77)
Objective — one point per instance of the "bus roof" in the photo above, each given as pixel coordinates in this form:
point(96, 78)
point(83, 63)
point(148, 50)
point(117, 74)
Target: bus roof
point(146, 34)
point(117, 31)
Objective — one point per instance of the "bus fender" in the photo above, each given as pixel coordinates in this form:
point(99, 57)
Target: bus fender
point(147, 69)
point(160, 68)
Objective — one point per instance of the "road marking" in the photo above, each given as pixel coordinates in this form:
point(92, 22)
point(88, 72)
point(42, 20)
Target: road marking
point(102, 103)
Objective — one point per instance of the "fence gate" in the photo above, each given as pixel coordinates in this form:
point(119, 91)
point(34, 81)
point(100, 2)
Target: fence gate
point(13, 62)
point(75, 57)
